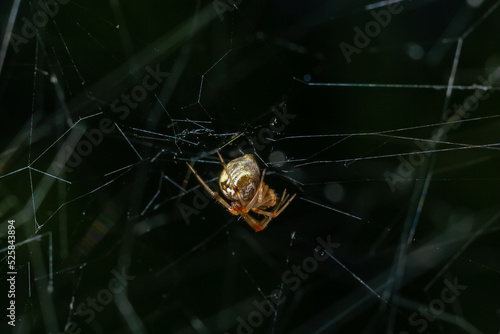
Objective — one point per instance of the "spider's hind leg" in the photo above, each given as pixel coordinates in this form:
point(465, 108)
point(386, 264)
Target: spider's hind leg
point(256, 225)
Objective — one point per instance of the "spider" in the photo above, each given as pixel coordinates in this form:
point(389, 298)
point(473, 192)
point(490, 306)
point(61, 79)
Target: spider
point(240, 182)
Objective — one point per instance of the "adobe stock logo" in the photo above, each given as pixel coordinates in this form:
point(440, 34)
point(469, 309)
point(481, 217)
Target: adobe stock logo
point(47, 8)
point(406, 169)
point(266, 134)
point(103, 298)
point(437, 306)
point(291, 278)
point(372, 29)
point(122, 107)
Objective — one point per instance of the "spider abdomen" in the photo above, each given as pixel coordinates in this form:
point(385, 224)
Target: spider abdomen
point(242, 183)
point(242, 174)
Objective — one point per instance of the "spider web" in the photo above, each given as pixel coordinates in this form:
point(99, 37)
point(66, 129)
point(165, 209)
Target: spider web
point(393, 162)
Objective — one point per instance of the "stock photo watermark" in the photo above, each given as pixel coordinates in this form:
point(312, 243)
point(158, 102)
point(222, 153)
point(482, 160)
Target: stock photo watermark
point(47, 9)
point(11, 272)
point(407, 167)
point(265, 135)
point(372, 29)
point(104, 297)
point(121, 107)
point(291, 278)
point(436, 306)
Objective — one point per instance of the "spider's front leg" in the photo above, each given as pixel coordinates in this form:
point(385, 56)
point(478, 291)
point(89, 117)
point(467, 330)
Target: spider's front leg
point(213, 193)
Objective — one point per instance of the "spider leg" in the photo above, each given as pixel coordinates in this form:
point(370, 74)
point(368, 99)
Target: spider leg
point(258, 194)
point(221, 160)
point(283, 199)
point(277, 209)
point(213, 193)
point(265, 213)
point(256, 225)
point(267, 201)
point(261, 184)
point(264, 222)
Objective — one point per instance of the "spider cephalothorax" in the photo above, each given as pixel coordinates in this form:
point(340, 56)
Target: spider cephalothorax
point(241, 182)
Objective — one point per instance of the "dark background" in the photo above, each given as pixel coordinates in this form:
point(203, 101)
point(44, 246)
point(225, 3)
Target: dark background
point(200, 270)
